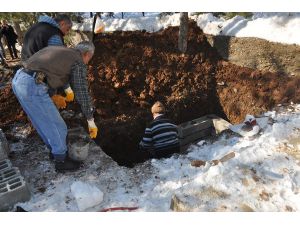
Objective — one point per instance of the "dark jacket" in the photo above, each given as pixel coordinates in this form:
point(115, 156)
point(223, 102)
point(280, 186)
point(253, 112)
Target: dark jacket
point(160, 138)
point(55, 62)
point(37, 38)
point(9, 33)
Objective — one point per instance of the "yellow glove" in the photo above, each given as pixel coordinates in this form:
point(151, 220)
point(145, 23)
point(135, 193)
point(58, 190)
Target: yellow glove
point(92, 128)
point(59, 101)
point(69, 94)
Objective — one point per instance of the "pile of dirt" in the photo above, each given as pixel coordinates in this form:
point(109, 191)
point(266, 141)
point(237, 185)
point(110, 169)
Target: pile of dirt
point(258, 53)
point(132, 70)
point(10, 109)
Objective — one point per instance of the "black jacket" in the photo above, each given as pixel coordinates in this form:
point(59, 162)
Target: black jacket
point(37, 38)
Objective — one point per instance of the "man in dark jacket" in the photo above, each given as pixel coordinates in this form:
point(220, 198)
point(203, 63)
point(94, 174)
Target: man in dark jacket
point(53, 67)
point(11, 38)
point(161, 136)
point(47, 32)
point(2, 51)
point(1, 45)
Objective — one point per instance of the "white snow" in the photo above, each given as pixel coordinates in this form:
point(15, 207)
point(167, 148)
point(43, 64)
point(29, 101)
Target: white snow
point(276, 27)
point(263, 176)
point(86, 195)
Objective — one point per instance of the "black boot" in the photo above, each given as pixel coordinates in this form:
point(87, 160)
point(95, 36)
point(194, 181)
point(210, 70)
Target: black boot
point(66, 165)
point(51, 157)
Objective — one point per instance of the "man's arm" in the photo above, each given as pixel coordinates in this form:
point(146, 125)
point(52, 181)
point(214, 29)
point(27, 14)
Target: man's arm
point(55, 40)
point(146, 142)
point(80, 87)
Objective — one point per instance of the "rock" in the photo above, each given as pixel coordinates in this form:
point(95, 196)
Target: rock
point(198, 163)
point(86, 195)
point(178, 206)
point(227, 157)
point(214, 162)
point(189, 200)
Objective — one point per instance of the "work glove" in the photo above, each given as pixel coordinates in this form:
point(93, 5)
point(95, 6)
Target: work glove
point(69, 94)
point(92, 128)
point(59, 101)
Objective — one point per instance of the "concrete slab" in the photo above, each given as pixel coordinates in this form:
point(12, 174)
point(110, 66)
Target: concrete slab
point(12, 191)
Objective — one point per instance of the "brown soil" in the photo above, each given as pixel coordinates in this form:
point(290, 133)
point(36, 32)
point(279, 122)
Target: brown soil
point(132, 70)
point(10, 110)
point(258, 54)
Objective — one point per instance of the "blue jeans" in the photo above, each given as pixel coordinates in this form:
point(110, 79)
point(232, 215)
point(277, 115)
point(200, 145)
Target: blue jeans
point(42, 112)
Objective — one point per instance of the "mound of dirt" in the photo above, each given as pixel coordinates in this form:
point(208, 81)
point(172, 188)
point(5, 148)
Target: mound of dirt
point(10, 109)
point(132, 70)
point(258, 53)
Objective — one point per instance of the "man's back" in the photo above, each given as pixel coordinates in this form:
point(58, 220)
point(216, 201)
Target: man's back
point(164, 133)
point(37, 37)
point(161, 138)
point(56, 62)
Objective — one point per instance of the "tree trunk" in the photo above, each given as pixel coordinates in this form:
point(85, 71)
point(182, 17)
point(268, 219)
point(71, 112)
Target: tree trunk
point(17, 28)
point(183, 32)
point(94, 23)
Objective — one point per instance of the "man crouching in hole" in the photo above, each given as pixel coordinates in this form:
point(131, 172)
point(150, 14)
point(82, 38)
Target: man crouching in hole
point(161, 136)
point(49, 69)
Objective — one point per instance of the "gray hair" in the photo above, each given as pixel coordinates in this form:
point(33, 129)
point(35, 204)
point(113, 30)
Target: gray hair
point(85, 46)
point(63, 17)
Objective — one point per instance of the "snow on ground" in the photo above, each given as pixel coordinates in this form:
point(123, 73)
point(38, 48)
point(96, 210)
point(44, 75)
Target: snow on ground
point(264, 175)
point(276, 27)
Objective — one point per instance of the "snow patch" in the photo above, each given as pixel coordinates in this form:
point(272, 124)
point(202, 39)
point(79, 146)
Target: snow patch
point(261, 25)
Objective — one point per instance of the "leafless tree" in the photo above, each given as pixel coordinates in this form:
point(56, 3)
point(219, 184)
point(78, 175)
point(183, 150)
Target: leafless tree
point(183, 32)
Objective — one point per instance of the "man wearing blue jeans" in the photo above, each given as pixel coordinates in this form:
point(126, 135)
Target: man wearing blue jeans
point(53, 67)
